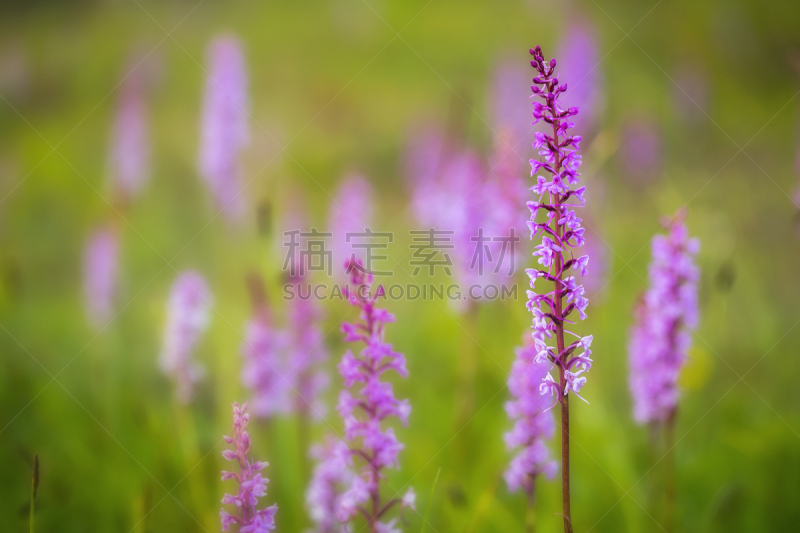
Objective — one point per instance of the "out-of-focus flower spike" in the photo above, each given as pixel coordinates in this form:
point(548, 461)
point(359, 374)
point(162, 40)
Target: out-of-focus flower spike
point(252, 485)
point(665, 319)
point(188, 316)
point(100, 272)
point(225, 132)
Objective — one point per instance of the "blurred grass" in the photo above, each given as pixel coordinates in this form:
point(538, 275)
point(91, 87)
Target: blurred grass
point(330, 77)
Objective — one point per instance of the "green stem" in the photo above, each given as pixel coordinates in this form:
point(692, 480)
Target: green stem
point(669, 474)
point(530, 521)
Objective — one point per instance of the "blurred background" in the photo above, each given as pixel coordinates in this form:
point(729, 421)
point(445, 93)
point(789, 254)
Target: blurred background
point(694, 104)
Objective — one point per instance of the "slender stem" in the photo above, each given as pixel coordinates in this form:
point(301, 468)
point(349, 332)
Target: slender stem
point(530, 522)
point(559, 323)
point(669, 474)
point(565, 458)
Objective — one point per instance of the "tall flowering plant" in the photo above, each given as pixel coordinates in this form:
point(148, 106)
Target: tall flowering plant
point(665, 318)
point(661, 338)
point(252, 485)
point(364, 410)
point(553, 220)
point(224, 128)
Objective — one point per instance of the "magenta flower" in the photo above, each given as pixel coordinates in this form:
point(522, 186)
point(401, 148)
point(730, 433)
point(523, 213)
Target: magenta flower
point(350, 212)
point(533, 422)
point(252, 485)
point(580, 63)
point(560, 230)
point(100, 271)
point(332, 473)
point(665, 319)
point(553, 220)
point(364, 410)
point(130, 152)
point(225, 131)
point(187, 318)
point(452, 202)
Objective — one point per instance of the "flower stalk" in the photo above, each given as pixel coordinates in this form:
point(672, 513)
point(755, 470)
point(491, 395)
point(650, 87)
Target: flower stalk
point(561, 236)
point(373, 446)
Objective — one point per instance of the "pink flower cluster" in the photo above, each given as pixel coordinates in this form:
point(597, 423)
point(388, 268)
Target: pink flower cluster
point(472, 209)
point(188, 315)
point(665, 318)
point(332, 473)
point(561, 236)
point(533, 422)
point(364, 410)
point(252, 485)
point(225, 131)
point(282, 366)
point(100, 271)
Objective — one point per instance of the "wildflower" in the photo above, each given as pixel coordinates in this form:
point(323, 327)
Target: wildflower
point(100, 270)
point(130, 150)
point(187, 318)
point(331, 474)
point(561, 237)
point(265, 370)
point(365, 409)
point(283, 365)
point(225, 131)
point(665, 319)
point(252, 485)
point(533, 422)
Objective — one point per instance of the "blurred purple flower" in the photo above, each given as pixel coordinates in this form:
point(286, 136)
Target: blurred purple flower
point(533, 422)
point(364, 411)
point(641, 150)
point(500, 202)
point(266, 371)
point(100, 271)
point(225, 131)
point(580, 64)
point(283, 367)
point(188, 316)
point(510, 101)
point(252, 485)
point(331, 475)
point(130, 152)
point(665, 318)
point(350, 212)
